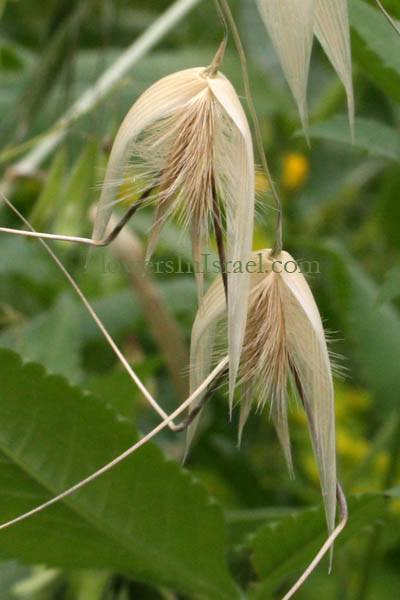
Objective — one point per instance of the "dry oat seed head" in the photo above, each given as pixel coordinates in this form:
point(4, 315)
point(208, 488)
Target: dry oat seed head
point(187, 138)
point(284, 349)
point(331, 26)
point(291, 24)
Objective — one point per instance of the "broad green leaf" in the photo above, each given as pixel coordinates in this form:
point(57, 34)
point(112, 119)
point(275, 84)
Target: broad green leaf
point(116, 389)
point(375, 47)
point(375, 138)
point(146, 518)
point(283, 547)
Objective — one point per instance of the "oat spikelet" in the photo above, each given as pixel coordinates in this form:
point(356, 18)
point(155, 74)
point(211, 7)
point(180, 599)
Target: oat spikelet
point(266, 353)
point(291, 25)
point(187, 138)
point(284, 349)
point(332, 29)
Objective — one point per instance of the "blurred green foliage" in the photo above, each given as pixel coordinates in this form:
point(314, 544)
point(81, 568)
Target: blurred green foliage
point(341, 209)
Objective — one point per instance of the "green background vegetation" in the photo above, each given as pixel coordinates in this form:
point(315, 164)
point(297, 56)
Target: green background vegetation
point(232, 524)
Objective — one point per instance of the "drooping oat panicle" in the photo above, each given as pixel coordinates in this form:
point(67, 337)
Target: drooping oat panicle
point(291, 24)
point(187, 138)
point(284, 351)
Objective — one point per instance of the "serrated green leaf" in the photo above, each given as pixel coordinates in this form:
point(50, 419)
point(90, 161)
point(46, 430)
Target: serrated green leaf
point(283, 547)
point(105, 386)
point(375, 47)
point(375, 138)
point(146, 518)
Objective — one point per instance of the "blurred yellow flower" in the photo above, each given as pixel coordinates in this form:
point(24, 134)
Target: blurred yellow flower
point(349, 400)
point(382, 461)
point(310, 467)
point(351, 447)
point(295, 171)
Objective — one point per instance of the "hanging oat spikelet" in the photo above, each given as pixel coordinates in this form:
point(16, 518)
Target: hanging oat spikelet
point(284, 349)
point(291, 24)
point(332, 28)
point(188, 141)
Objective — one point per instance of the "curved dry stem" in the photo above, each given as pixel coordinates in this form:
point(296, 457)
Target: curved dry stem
point(327, 545)
point(71, 238)
point(218, 58)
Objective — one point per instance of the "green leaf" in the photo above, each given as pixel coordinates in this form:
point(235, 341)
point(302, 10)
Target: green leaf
point(78, 192)
point(391, 287)
point(51, 339)
point(10, 57)
point(286, 546)
point(375, 138)
point(375, 47)
point(106, 386)
point(373, 333)
point(146, 518)
point(50, 193)
point(26, 259)
point(244, 522)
